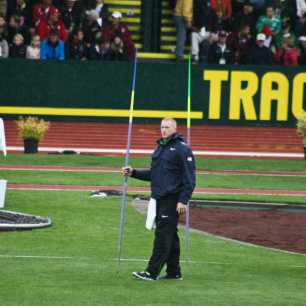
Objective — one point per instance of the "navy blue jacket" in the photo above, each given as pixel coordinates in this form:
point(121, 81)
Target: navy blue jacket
point(172, 170)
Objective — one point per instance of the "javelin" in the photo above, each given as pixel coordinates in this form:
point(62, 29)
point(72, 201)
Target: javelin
point(189, 143)
point(126, 163)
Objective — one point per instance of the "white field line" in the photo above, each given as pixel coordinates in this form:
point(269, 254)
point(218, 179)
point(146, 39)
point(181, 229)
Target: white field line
point(203, 262)
point(143, 151)
point(199, 172)
point(12, 168)
point(34, 256)
point(232, 192)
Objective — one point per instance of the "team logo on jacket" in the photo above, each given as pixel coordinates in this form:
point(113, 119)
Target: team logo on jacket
point(172, 149)
point(189, 158)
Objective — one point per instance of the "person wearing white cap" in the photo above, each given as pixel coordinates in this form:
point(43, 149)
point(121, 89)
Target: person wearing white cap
point(117, 32)
point(260, 54)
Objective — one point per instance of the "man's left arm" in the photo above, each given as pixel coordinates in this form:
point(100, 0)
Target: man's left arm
point(188, 175)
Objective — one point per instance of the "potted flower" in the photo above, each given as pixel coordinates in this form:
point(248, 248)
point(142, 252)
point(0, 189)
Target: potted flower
point(301, 130)
point(31, 130)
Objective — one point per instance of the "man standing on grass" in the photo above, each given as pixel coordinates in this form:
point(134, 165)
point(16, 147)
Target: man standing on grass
point(172, 176)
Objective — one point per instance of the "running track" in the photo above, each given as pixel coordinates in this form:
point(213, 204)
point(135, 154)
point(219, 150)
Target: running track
point(207, 140)
point(145, 189)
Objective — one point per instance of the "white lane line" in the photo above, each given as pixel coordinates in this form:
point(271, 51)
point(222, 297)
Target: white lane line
point(34, 256)
point(143, 151)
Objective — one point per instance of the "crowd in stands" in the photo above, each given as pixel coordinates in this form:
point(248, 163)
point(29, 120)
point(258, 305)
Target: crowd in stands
point(258, 32)
point(221, 31)
point(63, 29)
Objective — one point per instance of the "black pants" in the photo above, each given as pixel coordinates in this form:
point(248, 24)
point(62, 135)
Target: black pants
point(166, 248)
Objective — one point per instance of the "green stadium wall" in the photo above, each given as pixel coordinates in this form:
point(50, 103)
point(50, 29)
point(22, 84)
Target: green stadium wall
point(241, 95)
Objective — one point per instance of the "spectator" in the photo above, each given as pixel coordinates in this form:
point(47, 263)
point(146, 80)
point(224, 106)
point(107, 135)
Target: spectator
point(53, 24)
point(219, 52)
point(225, 6)
point(21, 9)
point(4, 49)
point(270, 25)
point(302, 57)
point(33, 50)
point(245, 17)
point(300, 7)
point(102, 9)
point(241, 43)
point(287, 55)
point(41, 12)
point(219, 23)
point(100, 50)
point(183, 20)
point(71, 14)
point(76, 47)
point(118, 50)
point(91, 27)
point(15, 27)
point(260, 54)
point(52, 48)
point(18, 48)
point(300, 28)
point(287, 31)
point(3, 7)
point(117, 29)
point(258, 5)
point(3, 29)
point(200, 31)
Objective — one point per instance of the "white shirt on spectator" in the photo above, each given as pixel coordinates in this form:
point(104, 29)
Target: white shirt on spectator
point(4, 49)
point(33, 52)
point(300, 7)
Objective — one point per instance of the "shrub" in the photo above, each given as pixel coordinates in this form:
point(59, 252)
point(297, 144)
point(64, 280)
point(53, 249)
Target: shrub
point(32, 127)
point(301, 128)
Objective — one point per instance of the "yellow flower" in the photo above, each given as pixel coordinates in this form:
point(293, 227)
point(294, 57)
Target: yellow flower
point(32, 127)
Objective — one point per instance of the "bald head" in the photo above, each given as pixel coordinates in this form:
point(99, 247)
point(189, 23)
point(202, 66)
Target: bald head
point(168, 127)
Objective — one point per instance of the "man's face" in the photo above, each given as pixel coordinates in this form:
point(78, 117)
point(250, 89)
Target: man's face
point(116, 21)
point(47, 2)
point(2, 22)
point(54, 18)
point(222, 40)
point(260, 43)
point(69, 3)
point(167, 128)
point(53, 38)
point(270, 12)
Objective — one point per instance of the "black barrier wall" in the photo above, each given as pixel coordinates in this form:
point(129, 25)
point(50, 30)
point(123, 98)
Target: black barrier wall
point(220, 94)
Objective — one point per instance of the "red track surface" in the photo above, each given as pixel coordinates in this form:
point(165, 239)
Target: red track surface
point(145, 189)
point(215, 138)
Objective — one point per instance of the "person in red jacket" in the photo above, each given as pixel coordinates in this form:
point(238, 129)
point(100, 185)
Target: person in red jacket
point(52, 24)
point(287, 55)
point(42, 11)
point(117, 29)
point(224, 5)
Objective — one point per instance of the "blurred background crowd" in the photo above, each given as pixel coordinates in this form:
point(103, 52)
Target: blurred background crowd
point(219, 31)
point(58, 29)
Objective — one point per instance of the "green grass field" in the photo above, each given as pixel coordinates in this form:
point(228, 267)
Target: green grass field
point(86, 231)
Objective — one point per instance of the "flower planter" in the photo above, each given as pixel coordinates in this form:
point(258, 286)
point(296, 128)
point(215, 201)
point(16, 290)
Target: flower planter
point(30, 145)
